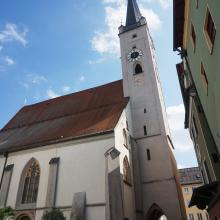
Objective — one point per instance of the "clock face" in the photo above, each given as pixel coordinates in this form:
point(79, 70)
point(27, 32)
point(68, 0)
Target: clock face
point(134, 55)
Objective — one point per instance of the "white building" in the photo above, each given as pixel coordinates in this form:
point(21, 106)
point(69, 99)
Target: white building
point(99, 154)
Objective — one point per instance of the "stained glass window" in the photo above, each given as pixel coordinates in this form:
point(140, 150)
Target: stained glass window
point(31, 183)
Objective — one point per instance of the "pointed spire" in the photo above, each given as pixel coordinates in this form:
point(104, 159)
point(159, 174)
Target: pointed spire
point(134, 18)
point(133, 13)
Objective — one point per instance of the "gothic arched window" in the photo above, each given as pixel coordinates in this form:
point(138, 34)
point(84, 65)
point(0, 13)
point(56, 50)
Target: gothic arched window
point(31, 182)
point(138, 69)
point(126, 170)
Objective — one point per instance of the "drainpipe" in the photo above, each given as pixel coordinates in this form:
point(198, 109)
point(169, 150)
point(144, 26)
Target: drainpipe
point(6, 159)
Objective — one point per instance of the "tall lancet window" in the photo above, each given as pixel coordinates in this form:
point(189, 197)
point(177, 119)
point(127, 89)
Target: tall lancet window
point(31, 183)
point(138, 68)
point(126, 171)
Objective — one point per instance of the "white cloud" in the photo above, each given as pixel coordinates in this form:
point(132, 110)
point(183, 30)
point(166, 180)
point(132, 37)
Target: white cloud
point(97, 61)
point(52, 94)
point(66, 89)
point(115, 12)
point(35, 78)
point(8, 61)
point(37, 97)
point(165, 3)
point(82, 78)
point(25, 101)
point(12, 33)
point(26, 85)
point(180, 136)
point(180, 166)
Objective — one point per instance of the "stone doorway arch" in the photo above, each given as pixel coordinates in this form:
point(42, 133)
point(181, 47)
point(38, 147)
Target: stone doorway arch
point(155, 213)
point(23, 217)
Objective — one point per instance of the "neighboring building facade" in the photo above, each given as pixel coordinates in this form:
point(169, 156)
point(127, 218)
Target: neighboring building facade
point(197, 40)
point(102, 153)
point(190, 179)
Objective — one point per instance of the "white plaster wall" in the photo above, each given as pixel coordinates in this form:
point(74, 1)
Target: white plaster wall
point(82, 168)
point(92, 213)
point(159, 167)
point(128, 202)
point(157, 176)
point(128, 191)
point(119, 139)
point(145, 92)
point(2, 160)
point(167, 200)
point(144, 89)
point(97, 213)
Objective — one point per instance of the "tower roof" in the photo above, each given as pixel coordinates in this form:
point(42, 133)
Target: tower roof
point(133, 13)
point(134, 18)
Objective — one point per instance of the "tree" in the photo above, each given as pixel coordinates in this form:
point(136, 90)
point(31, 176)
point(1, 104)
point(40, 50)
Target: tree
point(6, 213)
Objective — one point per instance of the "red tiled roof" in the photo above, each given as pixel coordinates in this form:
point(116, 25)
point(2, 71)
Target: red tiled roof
point(84, 113)
point(190, 175)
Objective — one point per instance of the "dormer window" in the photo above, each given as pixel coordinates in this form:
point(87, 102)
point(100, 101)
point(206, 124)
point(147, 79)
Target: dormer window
point(138, 69)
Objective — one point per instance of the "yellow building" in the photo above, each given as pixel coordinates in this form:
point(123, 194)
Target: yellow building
point(190, 178)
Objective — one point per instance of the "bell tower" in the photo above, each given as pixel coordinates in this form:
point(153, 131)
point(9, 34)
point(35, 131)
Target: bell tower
point(154, 166)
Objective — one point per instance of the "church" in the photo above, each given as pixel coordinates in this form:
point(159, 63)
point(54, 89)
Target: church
point(104, 153)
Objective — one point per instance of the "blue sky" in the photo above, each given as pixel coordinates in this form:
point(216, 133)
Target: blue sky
point(51, 48)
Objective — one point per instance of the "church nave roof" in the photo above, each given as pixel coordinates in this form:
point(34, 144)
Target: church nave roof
point(92, 111)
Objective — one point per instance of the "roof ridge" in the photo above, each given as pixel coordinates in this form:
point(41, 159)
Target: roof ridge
point(70, 94)
point(67, 115)
point(188, 168)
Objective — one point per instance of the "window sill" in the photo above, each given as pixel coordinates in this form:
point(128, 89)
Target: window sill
point(26, 206)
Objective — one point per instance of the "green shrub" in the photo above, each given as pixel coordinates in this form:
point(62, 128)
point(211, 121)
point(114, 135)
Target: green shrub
point(6, 213)
point(54, 214)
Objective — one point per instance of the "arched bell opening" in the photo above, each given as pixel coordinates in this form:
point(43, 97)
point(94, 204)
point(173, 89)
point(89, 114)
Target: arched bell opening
point(138, 69)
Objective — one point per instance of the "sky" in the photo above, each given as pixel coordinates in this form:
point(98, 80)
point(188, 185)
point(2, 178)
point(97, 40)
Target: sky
point(55, 47)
